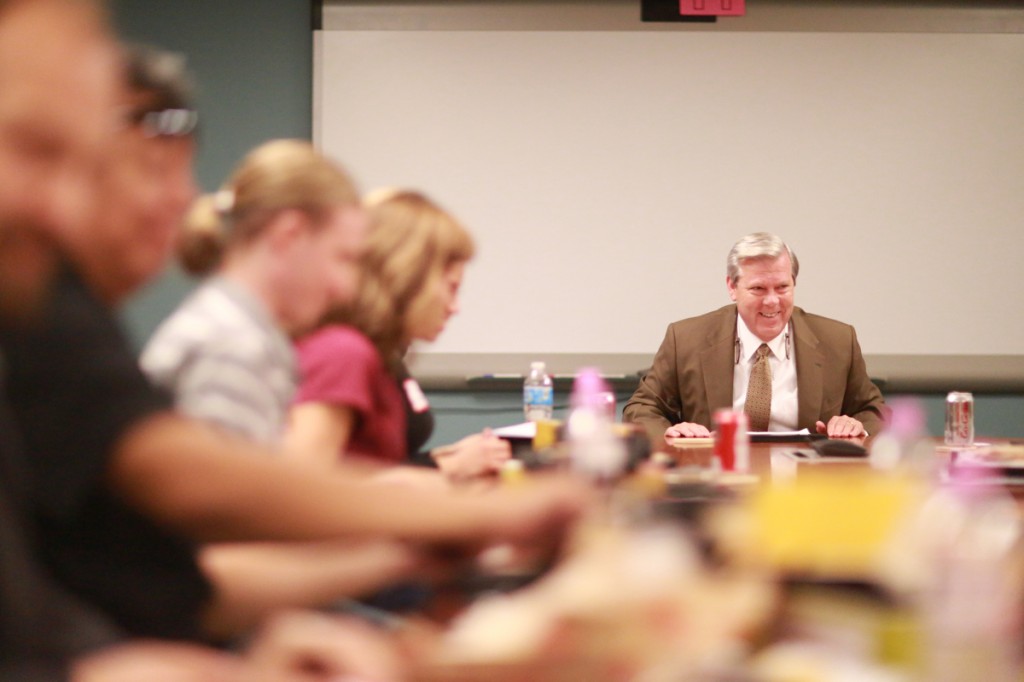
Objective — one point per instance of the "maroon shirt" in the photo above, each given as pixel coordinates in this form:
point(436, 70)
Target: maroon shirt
point(338, 365)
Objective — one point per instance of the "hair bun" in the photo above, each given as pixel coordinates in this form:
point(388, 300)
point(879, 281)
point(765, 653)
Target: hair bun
point(224, 201)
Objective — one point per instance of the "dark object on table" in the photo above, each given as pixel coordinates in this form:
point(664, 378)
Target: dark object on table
point(835, 447)
point(686, 503)
point(785, 437)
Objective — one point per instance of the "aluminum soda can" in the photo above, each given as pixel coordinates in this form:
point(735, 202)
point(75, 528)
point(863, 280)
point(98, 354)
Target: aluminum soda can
point(732, 442)
point(959, 418)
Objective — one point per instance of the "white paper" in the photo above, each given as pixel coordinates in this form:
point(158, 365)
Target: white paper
point(524, 430)
point(781, 435)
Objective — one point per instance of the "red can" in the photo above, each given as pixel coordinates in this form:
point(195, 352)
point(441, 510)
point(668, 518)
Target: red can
point(732, 443)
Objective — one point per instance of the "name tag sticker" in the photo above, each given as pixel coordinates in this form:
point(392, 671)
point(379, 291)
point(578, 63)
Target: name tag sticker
point(414, 393)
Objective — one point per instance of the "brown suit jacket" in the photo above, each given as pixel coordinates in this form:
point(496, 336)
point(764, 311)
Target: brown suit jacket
point(692, 373)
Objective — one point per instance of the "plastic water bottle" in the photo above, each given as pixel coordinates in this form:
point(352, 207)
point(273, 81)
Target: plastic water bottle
point(594, 449)
point(538, 394)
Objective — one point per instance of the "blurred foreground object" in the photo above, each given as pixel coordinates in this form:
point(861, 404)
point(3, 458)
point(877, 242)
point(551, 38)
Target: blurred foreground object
point(628, 599)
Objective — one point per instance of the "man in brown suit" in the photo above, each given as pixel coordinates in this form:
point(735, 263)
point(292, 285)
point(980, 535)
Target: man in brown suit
point(813, 377)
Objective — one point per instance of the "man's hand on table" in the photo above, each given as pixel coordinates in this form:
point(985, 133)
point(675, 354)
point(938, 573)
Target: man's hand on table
point(841, 426)
point(686, 430)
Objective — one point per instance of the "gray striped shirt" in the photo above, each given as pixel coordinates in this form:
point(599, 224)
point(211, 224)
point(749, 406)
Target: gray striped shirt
point(226, 362)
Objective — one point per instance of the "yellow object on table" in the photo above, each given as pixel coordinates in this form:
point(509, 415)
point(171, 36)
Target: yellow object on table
point(692, 442)
point(546, 435)
point(831, 524)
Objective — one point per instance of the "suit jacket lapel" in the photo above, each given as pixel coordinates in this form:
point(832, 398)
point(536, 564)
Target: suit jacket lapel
point(809, 369)
point(717, 363)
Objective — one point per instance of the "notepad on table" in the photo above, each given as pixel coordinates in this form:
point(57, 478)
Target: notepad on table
point(692, 442)
point(523, 430)
point(755, 437)
point(780, 436)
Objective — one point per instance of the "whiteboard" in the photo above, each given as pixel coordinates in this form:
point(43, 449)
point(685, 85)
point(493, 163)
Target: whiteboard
point(605, 174)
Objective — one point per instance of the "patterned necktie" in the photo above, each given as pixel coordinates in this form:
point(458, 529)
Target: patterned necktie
point(759, 391)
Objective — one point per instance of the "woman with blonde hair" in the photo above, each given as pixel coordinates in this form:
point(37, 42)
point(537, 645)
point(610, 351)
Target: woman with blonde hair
point(283, 234)
point(281, 238)
point(356, 395)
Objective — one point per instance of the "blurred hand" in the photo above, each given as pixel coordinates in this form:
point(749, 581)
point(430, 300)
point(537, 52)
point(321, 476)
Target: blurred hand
point(305, 646)
point(540, 513)
point(841, 426)
point(687, 430)
point(481, 454)
point(158, 662)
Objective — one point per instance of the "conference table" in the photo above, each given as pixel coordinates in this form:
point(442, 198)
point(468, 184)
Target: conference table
point(591, 638)
point(699, 453)
point(783, 460)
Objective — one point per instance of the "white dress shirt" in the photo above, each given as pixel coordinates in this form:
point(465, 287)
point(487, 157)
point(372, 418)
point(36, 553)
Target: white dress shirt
point(782, 360)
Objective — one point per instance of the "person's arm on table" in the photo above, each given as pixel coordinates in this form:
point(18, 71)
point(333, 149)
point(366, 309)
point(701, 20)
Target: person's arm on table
point(476, 455)
point(156, 660)
point(841, 426)
point(182, 474)
point(252, 580)
point(319, 432)
point(687, 430)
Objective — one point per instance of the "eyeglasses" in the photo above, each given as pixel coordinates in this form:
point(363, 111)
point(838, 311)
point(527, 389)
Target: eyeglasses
point(166, 122)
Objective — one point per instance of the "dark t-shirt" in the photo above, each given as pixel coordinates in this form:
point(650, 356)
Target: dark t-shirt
point(42, 628)
point(75, 389)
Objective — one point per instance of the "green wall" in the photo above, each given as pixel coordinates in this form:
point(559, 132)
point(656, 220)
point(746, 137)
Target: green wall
point(252, 61)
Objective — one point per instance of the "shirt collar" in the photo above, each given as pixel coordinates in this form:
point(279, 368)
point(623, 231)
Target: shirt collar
point(749, 343)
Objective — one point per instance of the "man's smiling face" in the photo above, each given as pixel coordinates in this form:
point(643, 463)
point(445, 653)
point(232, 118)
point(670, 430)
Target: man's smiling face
point(763, 293)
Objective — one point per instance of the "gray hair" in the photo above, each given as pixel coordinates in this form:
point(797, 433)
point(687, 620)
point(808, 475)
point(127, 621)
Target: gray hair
point(758, 245)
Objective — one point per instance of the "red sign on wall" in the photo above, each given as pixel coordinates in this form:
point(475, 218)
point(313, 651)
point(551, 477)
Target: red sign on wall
point(720, 8)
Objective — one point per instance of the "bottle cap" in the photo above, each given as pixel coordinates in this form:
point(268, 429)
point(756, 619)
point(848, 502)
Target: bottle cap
point(907, 418)
point(537, 365)
point(589, 389)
